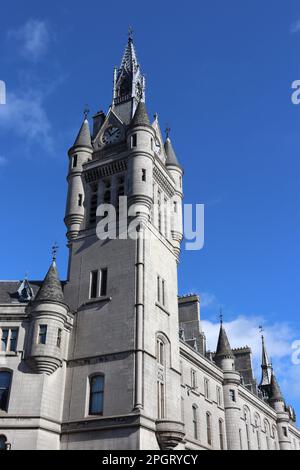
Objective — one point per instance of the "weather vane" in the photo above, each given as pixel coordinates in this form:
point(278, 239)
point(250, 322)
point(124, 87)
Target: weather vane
point(54, 251)
point(86, 111)
point(130, 33)
point(261, 329)
point(221, 316)
point(167, 131)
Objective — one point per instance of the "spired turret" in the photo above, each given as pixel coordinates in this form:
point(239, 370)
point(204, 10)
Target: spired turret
point(49, 315)
point(224, 358)
point(140, 138)
point(176, 172)
point(79, 153)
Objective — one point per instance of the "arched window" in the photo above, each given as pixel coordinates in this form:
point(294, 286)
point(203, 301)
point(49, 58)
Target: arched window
point(195, 421)
point(160, 351)
point(268, 433)
point(96, 395)
point(5, 382)
point(221, 434)
point(208, 428)
point(247, 424)
point(3, 441)
point(257, 427)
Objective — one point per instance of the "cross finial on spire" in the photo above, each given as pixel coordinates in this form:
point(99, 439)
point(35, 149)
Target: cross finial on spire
point(130, 33)
point(167, 131)
point(86, 111)
point(54, 251)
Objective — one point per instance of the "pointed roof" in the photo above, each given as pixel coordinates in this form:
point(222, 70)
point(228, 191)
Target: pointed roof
point(223, 347)
point(129, 60)
point(51, 289)
point(266, 368)
point(170, 153)
point(83, 138)
point(275, 392)
point(140, 117)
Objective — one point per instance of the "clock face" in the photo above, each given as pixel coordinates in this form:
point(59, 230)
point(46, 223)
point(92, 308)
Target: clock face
point(111, 135)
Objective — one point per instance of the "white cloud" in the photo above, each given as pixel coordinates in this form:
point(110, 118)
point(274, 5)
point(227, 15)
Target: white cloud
point(25, 115)
point(33, 38)
point(295, 27)
point(207, 299)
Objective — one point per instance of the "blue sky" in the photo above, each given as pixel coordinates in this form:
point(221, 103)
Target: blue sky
point(220, 74)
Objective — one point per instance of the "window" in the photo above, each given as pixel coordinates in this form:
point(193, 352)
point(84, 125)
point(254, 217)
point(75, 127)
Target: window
point(160, 400)
point(193, 378)
point(3, 441)
point(8, 339)
point(221, 434)
point(133, 140)
point(166, 216)
point(241, 441)
point(103, 281)
point(58, 339)
point(93, 207)
point(232, 395)
point(284, 430)
point(42, 334)
point(219, 396)
point(75, 161)
point(159, 209)
point(195, 421)
point(158, 289)
point(5, 381)
point(160, 351)
point(96, 395)
point(93, 284)
point(175, 206)
point(208, 428)
point(79, 200)
point(206, 388)
point(163, 292)
point(143, 174)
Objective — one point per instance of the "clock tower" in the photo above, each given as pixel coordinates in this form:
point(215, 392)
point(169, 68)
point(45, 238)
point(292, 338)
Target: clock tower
point(123, 296)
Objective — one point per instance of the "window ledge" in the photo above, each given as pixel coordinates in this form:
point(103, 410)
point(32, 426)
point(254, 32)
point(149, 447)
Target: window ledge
point(104, 298)
point(162, 307)
point(8, 353)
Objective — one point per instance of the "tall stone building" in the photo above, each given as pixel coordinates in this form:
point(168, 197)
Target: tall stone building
point(112, 358)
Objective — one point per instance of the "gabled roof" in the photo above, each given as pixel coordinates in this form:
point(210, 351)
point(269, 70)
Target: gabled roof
point(51, 289)
point(83, 138)
point(170, 153)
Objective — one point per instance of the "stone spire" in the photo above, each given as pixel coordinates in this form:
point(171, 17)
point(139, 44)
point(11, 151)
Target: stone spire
point(223, 347)
point(140, 117)
point(170, 153)
point(51, 289)
point(129, 60)
point(275, 392)
point(83, 138)
point(266, 367)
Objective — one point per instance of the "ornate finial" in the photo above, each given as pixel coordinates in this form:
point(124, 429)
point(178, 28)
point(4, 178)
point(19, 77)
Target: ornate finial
point(155, 116)
point(167, 131)
point(54, 251)
point(86, 111)
point(130, 33)
point(261, 330)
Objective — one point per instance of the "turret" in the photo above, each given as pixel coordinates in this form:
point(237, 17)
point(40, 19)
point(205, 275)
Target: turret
point(176, 172)
point(49, 315)
point(79, 153)
point(224, 358)
point(140, 137)
point(277, 402)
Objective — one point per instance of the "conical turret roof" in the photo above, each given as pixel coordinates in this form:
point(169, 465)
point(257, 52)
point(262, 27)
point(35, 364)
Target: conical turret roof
point(140, 117)
point(170, 153)
point(51, 289)
point(275, 392)
point(83, 138)
point(223, 347)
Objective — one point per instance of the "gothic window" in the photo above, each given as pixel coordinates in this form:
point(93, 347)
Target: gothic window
point(5, 382)
point(219, 396)
point(42, 334)
point(96, 395)
point(158, 289)
point(206, 388)
point(247, 425)
point(3, 442)
point(58, 339)
point(93, 284)
point(125, 87)
point(160, 399)
point(160, 351)
point(195, 421)
point(193, 379)
point(208, 428)
point(8, 339)
point(163, 291)
point(221, 434)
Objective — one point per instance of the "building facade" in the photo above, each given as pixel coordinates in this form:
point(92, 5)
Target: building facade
point(112, 358)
